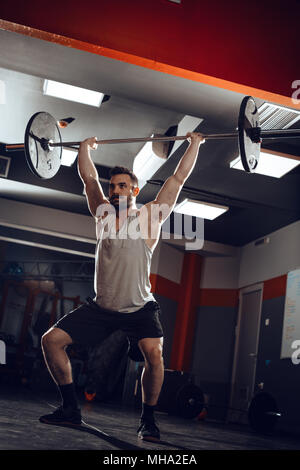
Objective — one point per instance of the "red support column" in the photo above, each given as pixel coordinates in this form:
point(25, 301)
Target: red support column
point(183, 339)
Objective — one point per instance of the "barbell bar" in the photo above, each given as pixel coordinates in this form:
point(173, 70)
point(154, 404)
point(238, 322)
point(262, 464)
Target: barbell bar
point(264, 134)
point(148, 139)
point(274, 134)
point(43, 144)
point(12, 147)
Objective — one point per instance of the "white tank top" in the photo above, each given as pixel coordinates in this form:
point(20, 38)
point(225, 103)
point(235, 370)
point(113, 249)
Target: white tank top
point(122, 267)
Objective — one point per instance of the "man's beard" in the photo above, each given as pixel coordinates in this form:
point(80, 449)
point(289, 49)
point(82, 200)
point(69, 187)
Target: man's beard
point(120, 202)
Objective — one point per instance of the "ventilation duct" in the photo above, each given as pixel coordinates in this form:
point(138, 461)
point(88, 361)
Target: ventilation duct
point(272, 116)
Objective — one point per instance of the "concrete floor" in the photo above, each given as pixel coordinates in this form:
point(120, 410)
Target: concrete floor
point(20, 428)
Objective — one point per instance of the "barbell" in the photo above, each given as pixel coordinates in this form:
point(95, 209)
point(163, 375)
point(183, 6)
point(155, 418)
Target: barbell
point(43, 144)
point(263, 413)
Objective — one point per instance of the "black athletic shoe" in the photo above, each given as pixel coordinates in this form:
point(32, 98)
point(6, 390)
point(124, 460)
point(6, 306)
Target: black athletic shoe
point(64, 416)
point(148, 431)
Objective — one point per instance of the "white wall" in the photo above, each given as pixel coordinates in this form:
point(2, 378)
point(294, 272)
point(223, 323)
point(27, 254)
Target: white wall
point(251, 264)
point(278, 257)
point(220, 269)
point(232, 267)
point(43, 219)
point(170, 262)
point(220, 272)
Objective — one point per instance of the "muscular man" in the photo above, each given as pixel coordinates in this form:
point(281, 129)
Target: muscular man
point(126, 239)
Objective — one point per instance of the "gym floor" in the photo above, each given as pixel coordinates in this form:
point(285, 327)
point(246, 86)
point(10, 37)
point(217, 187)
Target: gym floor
point(20, 428)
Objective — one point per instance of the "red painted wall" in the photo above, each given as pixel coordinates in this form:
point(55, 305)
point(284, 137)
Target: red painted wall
point(255, 43)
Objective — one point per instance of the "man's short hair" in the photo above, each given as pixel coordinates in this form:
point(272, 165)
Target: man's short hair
point(121, 170)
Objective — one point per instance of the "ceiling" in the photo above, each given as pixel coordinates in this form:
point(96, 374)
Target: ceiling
point(142, 102)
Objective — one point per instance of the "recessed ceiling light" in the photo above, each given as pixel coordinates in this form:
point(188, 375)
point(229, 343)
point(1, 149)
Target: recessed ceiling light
point(72, 93)
point(269, 164)
point(201, 209)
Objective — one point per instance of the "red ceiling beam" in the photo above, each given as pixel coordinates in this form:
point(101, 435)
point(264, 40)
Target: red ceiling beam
point(235, 45)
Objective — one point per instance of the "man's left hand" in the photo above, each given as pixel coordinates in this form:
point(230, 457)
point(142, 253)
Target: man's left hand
point(195, 137)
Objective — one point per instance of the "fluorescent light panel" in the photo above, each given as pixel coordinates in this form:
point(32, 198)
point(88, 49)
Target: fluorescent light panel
point(201, 209)
point(269, 164)
point(72, 93)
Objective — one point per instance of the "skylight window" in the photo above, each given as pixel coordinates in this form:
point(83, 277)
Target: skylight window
point(68, 156)
point(269, 164)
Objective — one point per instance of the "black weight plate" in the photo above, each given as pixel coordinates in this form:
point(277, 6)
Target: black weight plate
point(43, 162)
point(263, 412)
point(248, 119)
point(189, 401)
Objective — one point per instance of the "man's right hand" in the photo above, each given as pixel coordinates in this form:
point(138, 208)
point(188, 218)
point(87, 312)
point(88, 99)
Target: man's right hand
point(90, 142)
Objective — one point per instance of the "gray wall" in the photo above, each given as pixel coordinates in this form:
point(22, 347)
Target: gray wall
point(213, 354)
point(281, 378)
point(278, 257)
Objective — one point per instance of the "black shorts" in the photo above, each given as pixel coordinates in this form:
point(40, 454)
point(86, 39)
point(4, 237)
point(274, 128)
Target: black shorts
point(91, 324)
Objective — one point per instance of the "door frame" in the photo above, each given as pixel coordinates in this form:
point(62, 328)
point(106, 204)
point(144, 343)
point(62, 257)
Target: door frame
point(245, 290)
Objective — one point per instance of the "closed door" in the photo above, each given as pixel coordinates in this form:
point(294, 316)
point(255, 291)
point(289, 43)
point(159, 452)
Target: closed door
point(245, 358)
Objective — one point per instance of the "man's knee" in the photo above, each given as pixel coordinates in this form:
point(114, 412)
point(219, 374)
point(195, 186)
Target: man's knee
point(153, 355)
point(55, 338)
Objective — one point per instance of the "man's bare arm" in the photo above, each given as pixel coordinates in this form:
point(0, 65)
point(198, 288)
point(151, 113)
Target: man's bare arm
point(171, 188)
point(89, 175)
